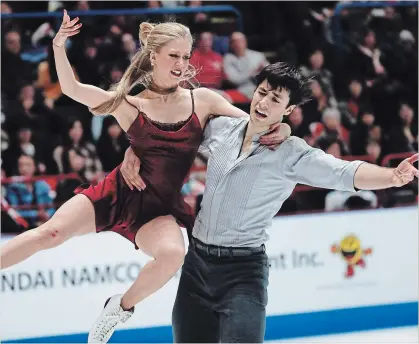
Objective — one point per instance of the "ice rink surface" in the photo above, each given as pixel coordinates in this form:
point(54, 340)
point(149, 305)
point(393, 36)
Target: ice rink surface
point(397, 335)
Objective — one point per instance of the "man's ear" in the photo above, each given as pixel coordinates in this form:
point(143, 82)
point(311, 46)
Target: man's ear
point(289, 109)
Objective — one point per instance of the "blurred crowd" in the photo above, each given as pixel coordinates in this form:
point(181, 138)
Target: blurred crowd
point(364, 87)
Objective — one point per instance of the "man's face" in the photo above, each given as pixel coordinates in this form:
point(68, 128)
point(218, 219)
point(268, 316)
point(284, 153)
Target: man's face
point(206, 41)
point(406, 114)
point(317, 60)
point(238, 43)
point(12, 42)
point(269, 105)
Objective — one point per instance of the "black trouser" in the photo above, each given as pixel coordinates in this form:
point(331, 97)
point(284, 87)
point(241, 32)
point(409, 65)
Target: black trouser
point(221, 299)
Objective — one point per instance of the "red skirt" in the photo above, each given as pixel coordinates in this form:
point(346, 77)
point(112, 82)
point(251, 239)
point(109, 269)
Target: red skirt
point(124, 211)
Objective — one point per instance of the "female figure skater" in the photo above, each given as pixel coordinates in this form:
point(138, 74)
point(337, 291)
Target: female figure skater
point(164, 124)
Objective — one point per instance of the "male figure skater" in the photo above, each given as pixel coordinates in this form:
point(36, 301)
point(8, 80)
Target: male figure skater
point(222, 292)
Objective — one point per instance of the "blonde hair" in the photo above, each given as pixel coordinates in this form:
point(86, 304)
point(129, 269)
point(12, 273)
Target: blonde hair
point(152, 37)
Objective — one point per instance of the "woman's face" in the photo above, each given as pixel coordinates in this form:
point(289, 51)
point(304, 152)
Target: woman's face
point(171, 62)
point(355, 88)
point(76, 132)
point(317, 60)
point(26, 166)
point(27, 92)
point(374, 149)
point(375, 133)
point(369, 39)
point(25, 135)
point(114, 130)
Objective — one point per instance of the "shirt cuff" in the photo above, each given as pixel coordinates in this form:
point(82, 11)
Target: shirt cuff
point(350, 175)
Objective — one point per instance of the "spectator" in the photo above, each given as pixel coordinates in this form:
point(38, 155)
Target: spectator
point(115, 73)
point(28, 111)
point(73, 162)
point(14, 70)
point(153, 4)
point(31, 193)
point(112, 144)
point(47, 81)
point(127, 24)
point(208, 63)
point(5, 141)
point(340, 200)
point(74, 139)
point(331, 145)
point(323, 75)
point(407, 63)
point(375, 134)
point(357, 99)
point(88, 64)
point(82, 6)
point(24, 144)
point(374, 151)
point(241, 66)
point(365, 60)
point(386, 22)
point(298, 125)
point(129, 46)
point(403, 136)
point(314, 108)
point(331, 127)
point(360, 133)
point(5, 8)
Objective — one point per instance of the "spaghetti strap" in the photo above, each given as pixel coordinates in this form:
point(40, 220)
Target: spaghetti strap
point(193, 102)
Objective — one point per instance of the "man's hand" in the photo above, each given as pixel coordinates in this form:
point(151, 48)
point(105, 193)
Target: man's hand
point(405, 172)
point(279, 132)
point(130, 169)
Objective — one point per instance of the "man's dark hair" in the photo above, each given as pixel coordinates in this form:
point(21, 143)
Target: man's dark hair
point(283, 76)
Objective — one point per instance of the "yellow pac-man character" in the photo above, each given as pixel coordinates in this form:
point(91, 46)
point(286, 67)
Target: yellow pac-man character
point(352, 253)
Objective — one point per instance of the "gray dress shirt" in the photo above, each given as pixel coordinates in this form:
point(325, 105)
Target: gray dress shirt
point(243, 193)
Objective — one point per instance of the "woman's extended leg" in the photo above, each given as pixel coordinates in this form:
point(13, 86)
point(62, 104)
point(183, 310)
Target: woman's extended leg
point(75, 217)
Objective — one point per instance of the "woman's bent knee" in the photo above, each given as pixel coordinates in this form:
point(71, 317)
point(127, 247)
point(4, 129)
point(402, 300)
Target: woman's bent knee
point(173, 254)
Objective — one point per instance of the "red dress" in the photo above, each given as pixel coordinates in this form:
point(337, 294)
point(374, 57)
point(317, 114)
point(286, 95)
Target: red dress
point(167, 152)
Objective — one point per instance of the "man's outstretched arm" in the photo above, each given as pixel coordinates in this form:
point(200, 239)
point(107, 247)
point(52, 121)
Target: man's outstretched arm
point(307, 165)
point(373, 177)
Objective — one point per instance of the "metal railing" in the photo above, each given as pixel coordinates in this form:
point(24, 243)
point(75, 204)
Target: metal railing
point(132, 11)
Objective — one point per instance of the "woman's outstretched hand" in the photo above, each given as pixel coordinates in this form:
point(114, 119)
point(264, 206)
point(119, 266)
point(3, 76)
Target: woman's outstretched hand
point(68, 28)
